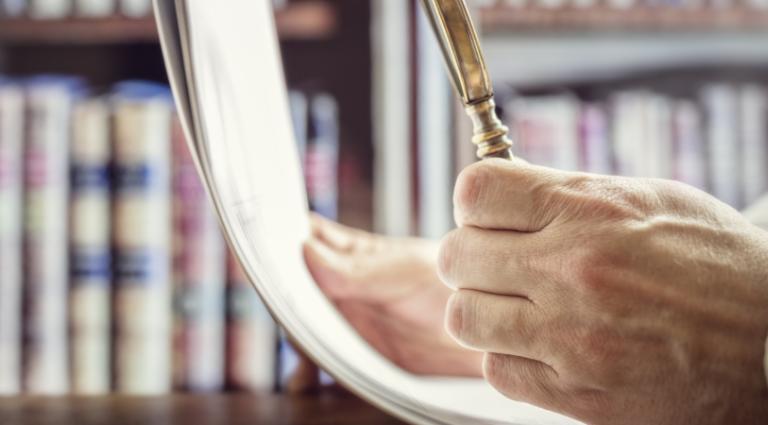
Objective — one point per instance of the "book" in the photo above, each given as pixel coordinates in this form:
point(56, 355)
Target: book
point(690, 156)
point(753, 117)
point(46, 162)
point(11, 199)
point(720, 102)
point(546, 129)
point(49, 9)
point(595, 151)
point(321, 162)
point(252, 337)
point(142, 238)
point(136, 8)
point(199, 277)
point(656, 160)
point(90, 248)
point(629, 132)
point(95, 8)
point(299, 105)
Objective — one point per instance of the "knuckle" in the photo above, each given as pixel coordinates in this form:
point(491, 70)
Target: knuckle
point(455, 316)
point(448, 256)
point(495, 372)
point(469, 188)
point(588, 266)
point(599, 351)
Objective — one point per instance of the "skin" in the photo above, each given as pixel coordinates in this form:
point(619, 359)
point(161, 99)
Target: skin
point(608, 299)
point(388, 289)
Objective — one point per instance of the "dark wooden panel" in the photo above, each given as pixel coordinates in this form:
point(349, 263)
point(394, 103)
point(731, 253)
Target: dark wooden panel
point(331, 407)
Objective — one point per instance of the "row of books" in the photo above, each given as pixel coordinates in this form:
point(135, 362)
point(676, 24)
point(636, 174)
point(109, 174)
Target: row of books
point(687, 5)
point(115, 276)
point(715, 139)
point(60, 9)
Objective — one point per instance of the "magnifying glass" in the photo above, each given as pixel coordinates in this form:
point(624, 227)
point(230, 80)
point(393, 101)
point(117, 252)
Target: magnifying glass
point(458, 40)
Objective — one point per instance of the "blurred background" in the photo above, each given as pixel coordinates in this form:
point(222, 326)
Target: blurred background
point(114, 276)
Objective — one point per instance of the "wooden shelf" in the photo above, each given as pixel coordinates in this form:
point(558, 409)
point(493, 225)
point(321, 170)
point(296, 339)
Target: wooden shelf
point(301, 21)
point(499, 19)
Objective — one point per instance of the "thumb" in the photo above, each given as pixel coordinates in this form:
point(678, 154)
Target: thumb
point(329, 269)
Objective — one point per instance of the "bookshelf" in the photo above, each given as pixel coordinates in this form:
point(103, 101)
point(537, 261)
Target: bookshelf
point(502, 19)
point(300, 21)
point(317, 37)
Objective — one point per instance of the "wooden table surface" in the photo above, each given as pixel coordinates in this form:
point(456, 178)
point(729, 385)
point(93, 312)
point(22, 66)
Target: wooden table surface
point(331, 407)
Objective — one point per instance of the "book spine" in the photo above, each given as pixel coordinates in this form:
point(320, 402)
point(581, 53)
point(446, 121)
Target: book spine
point(11, 198)
point(46, 165)
point(252, 338)
point(50, 9)
point(690, 165)
point(136, 8)
point(629, 133)
point(546, 130)
point(754, 135)
point(657, 158)
point(199, 278)
point(95, 8)
point(90, 253)
point(142, 242)
point(321, 164)
point(594, 140)
point(723, 142)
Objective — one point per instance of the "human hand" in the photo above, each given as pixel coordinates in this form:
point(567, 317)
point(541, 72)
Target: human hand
point(388, 290)
point(609, 299)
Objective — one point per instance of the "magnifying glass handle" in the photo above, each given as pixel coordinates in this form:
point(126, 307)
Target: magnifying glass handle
point(458, 41)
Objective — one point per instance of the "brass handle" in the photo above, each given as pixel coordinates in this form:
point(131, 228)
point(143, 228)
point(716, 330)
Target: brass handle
point(461, 49)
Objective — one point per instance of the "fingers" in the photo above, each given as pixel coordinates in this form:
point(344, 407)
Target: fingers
point(511, 195)
point(525, 380)
point(338, 237)
point(498, 262)
point(328, 269)
point(498, 324)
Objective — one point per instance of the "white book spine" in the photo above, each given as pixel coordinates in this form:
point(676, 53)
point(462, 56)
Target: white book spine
point(690, 148)
point(658, 146)
point(46, 211)
point(11, 198)
point(629, 133)
point(142, 240)
point(50, 9)
point(95, 8)
point(546, 129)
point(754, 135)
point(594, 137)
point(723, 142)
point(90, 310)
point(136, 8)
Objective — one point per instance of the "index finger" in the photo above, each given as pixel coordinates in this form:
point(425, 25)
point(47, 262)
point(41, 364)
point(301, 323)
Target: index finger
point(507, 195)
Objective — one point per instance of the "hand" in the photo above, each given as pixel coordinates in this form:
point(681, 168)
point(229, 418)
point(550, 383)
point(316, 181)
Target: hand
point(609, 299)
point(389, 292)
